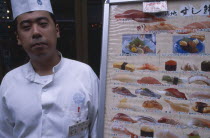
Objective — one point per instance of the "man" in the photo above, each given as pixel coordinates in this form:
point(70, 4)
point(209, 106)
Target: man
point(51, 96)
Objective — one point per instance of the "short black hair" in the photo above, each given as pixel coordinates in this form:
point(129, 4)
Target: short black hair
point(15, 21)
point(53, 18)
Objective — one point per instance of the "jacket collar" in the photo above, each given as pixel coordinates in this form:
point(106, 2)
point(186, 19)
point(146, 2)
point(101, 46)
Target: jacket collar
point(29, 72)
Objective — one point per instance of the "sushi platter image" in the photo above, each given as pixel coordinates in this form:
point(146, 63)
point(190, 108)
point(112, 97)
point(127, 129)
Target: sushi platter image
point(188, 44)
point(139, 44)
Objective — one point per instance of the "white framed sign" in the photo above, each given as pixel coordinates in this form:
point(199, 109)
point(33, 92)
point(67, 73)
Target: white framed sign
point(155, 70)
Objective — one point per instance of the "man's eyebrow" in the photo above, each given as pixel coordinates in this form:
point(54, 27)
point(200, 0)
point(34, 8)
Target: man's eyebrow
point(25, 21)
point(41, 18)
point(35, 20)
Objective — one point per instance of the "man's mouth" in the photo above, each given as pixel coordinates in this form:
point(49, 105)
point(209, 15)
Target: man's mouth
point(38, 45)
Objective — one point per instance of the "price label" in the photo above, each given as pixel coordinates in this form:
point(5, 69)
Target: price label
point(78, 128)
point(154, 7)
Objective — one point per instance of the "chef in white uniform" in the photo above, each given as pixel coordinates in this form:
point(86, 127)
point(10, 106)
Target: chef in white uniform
point(50, 96)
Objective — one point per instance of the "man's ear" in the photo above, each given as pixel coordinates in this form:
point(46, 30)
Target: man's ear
point(18, 39)
point(57, 30)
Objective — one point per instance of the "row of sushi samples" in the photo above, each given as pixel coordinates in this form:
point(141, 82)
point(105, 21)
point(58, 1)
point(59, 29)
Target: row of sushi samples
point(170, 65)
point(158, 79)
point(172, 93)
point(165, 104)
point(147, 132)
point(160, 22)
point(162, 127)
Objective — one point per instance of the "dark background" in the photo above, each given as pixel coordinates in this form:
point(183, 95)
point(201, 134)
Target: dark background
point(81, 33)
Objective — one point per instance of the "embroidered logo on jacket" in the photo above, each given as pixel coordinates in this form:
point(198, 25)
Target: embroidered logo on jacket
point(39, 2)
point(79, 98)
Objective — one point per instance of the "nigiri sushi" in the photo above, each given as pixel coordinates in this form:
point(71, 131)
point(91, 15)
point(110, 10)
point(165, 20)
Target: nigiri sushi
point(200, 95)
point(175, 93)
point(178, 106)
point(122, 91)
point(147, 92)
point(200, 122)
point(123, 117)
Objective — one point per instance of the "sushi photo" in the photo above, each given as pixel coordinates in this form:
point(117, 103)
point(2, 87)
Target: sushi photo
point(148, 66)
point(139, 44)
point(123, 117)
point(170, 65)
point(148, 80)
point(194, 134)
point(147, 92)
point(186, 44)
point(165, 134)
point(200, 122)
point(123, 91)
point(178, 107)
point(205, 66)
point(152, 104)
point(199, 79)
point(201, 107)
point(138, 16)
point(124, 66)
point(147, 131)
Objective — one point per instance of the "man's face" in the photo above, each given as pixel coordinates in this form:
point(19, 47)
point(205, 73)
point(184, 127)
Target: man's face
point(37, 33)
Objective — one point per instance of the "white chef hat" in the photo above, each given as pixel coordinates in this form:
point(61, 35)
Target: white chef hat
point(22, 6)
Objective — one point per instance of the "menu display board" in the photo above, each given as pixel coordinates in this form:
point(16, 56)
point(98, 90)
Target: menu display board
point(158, 71)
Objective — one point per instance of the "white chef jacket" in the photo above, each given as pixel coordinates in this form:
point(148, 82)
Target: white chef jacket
point(32, 106)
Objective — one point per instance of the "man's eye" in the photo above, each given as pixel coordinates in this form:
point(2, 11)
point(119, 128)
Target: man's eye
point(44, 24)
point(27, 27)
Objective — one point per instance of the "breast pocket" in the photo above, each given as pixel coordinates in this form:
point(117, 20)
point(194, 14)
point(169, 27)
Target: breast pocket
point(73, 121)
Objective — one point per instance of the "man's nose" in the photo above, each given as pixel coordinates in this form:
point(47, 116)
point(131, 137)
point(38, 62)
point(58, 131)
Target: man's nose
point(36, 32)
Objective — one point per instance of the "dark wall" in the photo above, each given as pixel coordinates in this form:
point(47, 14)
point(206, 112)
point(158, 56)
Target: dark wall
point(95, 34)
